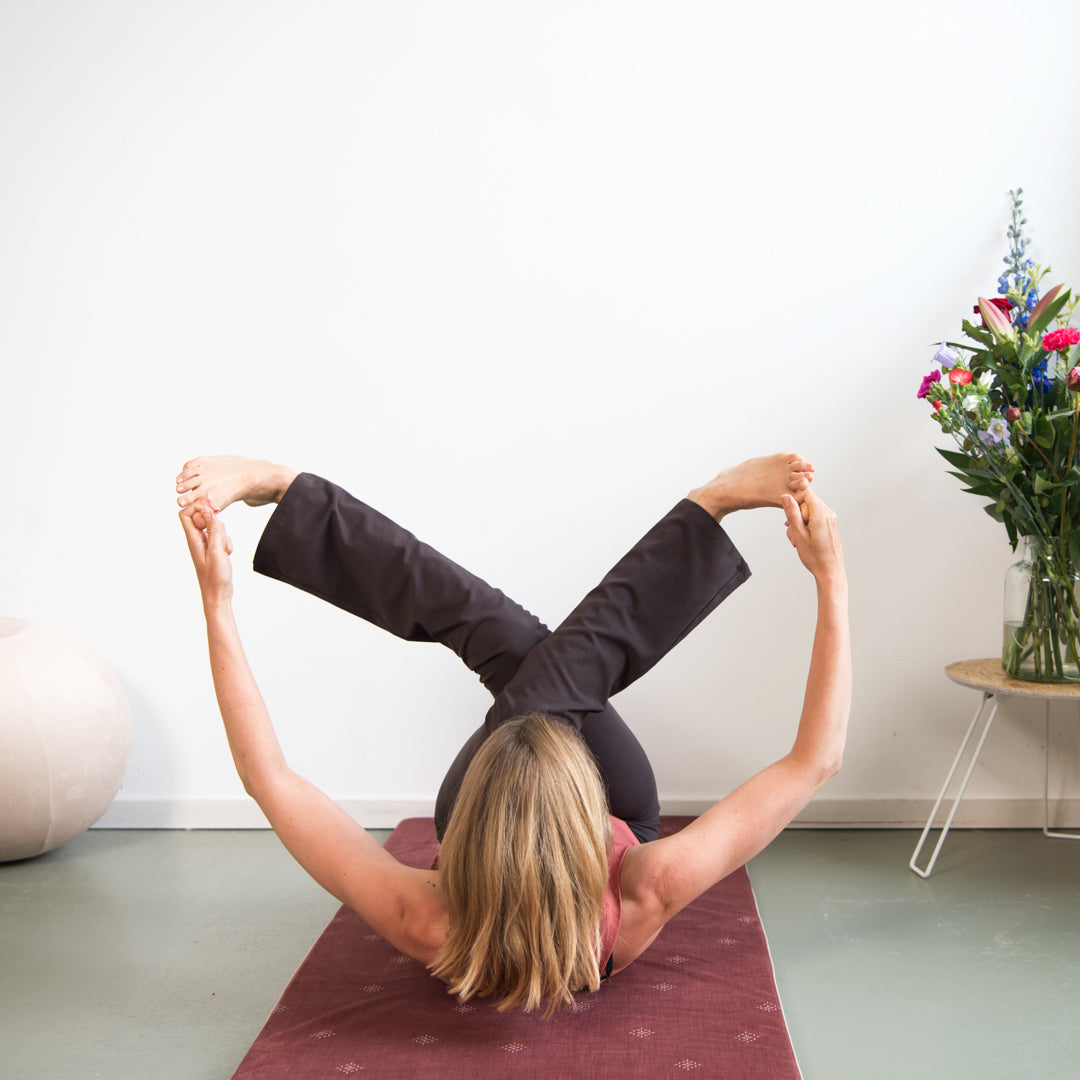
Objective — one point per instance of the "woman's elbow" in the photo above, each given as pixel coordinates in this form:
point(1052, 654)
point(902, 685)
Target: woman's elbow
point(832, 765)
point(263, 783)
point(830, 768)
point(818, 769)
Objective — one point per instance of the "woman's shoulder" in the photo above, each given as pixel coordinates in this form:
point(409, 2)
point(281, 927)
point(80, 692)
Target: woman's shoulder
point(621, 834)
point(422, 926)
point(642, 914)
point(635, 927)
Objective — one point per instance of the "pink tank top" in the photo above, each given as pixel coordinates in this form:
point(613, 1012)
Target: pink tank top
point(611, 915)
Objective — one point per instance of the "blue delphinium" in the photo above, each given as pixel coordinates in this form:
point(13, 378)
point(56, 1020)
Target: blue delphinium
point(1017, 279)
point(1040, 378)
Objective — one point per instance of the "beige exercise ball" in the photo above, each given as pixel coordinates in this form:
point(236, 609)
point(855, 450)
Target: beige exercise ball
point(65, 738)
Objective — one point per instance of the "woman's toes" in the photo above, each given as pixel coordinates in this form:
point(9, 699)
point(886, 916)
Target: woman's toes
point(186, 480)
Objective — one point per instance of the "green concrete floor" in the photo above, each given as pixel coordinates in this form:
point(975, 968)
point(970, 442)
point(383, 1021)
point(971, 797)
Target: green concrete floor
point(138, 955)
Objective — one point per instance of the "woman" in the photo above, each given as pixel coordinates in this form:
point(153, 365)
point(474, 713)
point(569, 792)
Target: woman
point(549, 877)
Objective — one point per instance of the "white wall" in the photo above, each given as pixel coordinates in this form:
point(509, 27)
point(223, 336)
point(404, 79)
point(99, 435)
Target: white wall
point(520, 274)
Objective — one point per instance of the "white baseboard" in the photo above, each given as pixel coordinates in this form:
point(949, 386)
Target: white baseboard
point(853, 813)
point(244, 814)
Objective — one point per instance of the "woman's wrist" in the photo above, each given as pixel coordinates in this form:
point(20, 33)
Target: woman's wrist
point(217, 601)
point(832, 586)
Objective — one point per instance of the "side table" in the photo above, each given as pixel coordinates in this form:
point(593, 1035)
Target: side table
point(989, 677)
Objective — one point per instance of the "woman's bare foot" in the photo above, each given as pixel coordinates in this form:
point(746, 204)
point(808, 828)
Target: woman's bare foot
point(758, 482)
point(223, 480)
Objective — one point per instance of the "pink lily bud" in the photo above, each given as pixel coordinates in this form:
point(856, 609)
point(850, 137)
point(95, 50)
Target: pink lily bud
point(997, 323)
point(1072, 380)
point(1012, 414)
point(1048, 298)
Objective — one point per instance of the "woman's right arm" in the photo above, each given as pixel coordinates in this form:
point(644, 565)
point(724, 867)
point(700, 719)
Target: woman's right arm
point(664, 876)
point(402, 903)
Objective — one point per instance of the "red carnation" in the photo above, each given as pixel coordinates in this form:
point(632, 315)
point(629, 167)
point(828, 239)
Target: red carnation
point(1060, 340)
point(959, 377)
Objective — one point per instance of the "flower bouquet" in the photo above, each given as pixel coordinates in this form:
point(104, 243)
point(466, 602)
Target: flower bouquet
point(1009, 395)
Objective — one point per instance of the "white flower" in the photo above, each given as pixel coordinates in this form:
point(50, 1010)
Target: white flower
point(971, 403)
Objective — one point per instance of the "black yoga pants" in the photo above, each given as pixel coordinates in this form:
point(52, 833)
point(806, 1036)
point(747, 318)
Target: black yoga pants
point(326, 542)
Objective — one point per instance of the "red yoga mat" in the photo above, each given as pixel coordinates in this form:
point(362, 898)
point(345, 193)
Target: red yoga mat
point(702, 999)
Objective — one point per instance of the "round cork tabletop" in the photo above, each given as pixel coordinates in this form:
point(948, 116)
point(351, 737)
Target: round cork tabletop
point(989, 676)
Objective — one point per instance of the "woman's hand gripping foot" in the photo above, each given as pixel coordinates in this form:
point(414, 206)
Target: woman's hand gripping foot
point(210, 548)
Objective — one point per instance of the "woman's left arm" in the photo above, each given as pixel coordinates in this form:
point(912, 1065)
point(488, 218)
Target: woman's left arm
point(661, 878)
point(399, 902)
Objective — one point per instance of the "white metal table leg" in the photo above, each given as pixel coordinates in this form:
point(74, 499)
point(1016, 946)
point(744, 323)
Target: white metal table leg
point(986, 698)
point(1046, 785)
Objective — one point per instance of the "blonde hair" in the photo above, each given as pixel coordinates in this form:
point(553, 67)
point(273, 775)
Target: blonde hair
point(524, 866)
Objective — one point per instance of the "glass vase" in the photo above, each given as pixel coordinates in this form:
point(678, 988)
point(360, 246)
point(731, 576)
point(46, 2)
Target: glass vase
point(1042, 615)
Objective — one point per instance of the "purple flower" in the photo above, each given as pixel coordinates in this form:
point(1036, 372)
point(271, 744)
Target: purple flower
point(997, 431)
point(928, 381)
point(946, 357)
